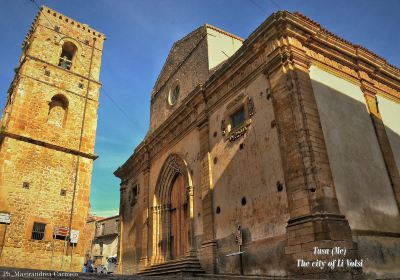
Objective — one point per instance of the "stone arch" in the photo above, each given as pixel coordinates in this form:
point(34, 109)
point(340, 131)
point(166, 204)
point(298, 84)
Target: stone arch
point(69, 51)
point(173, 167)
point(58, 107)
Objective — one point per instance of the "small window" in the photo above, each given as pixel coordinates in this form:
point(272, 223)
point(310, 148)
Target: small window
point(133, 195)
point(67, 55)
point(101, 244)
point(174, 94)
point(238, 118)
point(38, 231)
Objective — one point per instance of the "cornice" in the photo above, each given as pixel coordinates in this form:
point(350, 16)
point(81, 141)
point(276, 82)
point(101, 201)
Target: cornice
point(312, 37)
point(361, 51)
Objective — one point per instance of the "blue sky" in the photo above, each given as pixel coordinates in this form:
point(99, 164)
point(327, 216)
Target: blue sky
point(139, 36)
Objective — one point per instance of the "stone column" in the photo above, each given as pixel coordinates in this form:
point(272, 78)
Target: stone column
point(315, 218)
point(190, 194)
point(208, 251)
point(166, 231)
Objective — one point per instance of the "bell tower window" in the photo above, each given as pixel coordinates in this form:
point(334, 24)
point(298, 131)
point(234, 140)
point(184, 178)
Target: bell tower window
point(67, 55)
point(57, 110)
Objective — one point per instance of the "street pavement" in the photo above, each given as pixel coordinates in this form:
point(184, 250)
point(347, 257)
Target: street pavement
point(29, 274)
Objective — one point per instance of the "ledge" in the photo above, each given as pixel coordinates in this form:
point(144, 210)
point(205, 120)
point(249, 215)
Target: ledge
point(47, 145)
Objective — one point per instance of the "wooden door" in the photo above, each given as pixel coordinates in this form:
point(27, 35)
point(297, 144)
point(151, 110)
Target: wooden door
point(179, 219)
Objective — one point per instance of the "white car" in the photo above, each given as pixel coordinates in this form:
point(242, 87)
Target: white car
point(112, 264)
point(110, 267)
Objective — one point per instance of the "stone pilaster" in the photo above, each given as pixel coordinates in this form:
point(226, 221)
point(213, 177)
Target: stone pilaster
point(207, 252)
point(144, 259)
point(315, 218)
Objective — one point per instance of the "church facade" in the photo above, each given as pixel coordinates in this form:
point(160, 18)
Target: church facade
point(47, 139)
point(262, 151)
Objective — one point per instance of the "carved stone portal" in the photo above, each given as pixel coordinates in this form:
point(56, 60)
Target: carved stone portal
point(172, 214)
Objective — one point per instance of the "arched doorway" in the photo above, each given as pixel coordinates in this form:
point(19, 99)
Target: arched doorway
point(179, 219)
point(172, 212)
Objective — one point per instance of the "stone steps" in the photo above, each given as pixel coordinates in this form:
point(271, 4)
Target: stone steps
point(240, 277)
point(184, 266)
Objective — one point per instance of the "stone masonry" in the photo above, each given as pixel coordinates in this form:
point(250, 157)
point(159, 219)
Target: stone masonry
point(47, 140)
point(289, 144)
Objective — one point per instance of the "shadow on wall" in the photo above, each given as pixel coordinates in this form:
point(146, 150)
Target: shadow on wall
point(245, 192)
point(363, 187)
point(248, 190)
point(362, 183)
point(249, 187)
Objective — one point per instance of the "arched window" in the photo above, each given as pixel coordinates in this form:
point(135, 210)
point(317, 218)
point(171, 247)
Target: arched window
point(67, 55)
point(57, 110)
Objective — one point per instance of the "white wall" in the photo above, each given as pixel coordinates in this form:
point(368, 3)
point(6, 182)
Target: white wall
point(390, 112)
point(220, 47)
point(361, 180)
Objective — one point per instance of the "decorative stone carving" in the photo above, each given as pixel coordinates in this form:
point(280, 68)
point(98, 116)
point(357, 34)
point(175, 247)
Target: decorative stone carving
point(189, 192)
point(174, 164)
point(235, 134)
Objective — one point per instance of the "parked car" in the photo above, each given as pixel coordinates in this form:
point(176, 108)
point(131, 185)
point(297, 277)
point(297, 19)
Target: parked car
point(110, 267)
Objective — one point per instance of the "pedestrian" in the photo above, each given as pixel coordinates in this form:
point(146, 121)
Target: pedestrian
point(89, 265)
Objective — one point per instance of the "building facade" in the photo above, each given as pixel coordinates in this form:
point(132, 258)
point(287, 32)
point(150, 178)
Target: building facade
point(105, 241)
point(260, 151)
point(47, 142)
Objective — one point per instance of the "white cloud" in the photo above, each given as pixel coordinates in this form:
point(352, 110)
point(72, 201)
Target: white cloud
point(106, 213)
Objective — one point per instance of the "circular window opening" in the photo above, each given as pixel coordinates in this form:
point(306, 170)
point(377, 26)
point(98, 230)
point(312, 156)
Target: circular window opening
point(173, 94)
point(218, 210)
point(244, 201)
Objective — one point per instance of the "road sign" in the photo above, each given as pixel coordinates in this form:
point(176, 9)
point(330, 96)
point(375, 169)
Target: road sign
point(74, 237)
point(5, 218)
point(61, 231)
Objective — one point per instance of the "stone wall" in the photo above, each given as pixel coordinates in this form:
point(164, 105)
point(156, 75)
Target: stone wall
point(46, 157)
point(246, 175)
point(191, 54)
point(276, 174)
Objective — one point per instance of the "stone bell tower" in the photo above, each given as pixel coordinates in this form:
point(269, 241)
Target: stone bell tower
point(47, 139)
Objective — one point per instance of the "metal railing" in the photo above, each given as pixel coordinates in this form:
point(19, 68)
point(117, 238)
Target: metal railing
point(38, 231)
